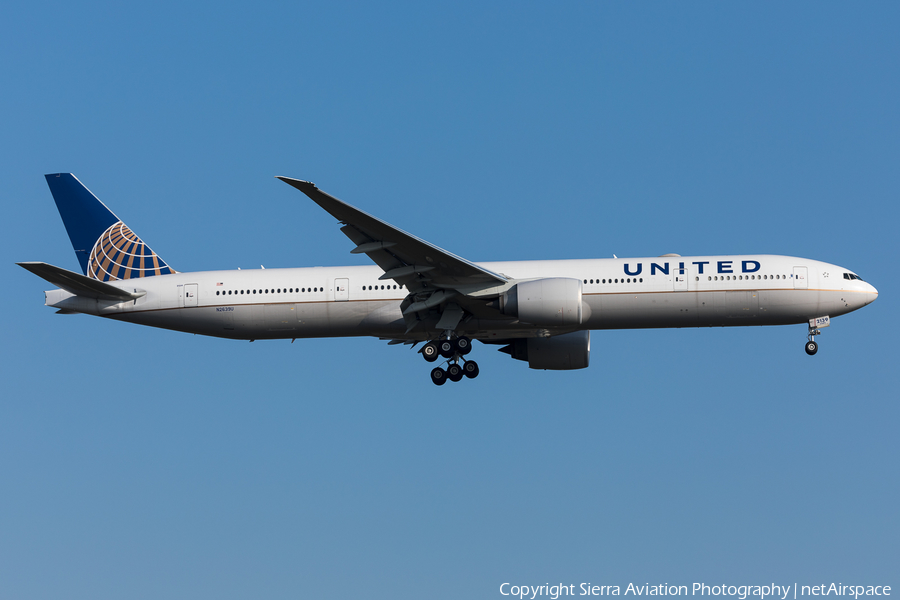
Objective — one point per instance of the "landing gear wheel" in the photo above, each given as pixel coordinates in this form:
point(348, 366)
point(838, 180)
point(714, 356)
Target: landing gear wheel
point(430, 352)
point(454, 372)
point(470, 369)
point(438, 376)
point(811, 347)
point(446, 348)
point(463, 345)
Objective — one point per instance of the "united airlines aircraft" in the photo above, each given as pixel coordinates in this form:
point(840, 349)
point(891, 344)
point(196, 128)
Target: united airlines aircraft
point(540, 312)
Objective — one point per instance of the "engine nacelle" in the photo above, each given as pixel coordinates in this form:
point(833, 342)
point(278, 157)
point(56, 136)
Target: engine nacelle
point(558, 353)
point(554, 301)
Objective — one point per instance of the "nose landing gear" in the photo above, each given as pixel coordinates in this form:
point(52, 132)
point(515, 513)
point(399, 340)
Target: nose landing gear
point(811, 346)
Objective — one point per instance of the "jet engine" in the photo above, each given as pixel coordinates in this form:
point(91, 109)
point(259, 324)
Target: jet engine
point(554, 301)
point(558, 353)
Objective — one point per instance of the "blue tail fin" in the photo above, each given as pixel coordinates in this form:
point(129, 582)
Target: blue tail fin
point(106, 248)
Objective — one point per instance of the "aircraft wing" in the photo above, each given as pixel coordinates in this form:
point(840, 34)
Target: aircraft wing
point(406, 259)
point(78, 284)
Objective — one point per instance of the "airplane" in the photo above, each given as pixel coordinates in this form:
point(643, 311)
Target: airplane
point(540, 312)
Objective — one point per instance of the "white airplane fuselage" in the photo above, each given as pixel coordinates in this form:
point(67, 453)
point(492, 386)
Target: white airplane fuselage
point(541, 312)
point(626, 293)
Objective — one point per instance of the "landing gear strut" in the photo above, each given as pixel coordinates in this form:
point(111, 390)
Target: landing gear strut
point(811, 346)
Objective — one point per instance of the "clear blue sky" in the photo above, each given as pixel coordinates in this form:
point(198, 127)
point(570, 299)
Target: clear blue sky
point(141, 463)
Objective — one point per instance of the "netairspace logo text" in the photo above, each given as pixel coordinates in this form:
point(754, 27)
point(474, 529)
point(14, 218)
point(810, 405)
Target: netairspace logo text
point(741, 592)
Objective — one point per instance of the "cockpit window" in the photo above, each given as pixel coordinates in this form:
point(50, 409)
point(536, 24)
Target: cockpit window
point(851, 277)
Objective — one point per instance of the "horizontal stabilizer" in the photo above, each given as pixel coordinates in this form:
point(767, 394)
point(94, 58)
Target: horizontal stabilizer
point(78, 284)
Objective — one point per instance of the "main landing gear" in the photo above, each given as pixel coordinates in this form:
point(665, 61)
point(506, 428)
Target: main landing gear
point(453, 350)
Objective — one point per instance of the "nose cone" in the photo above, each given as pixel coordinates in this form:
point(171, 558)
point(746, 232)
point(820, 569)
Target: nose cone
point(871, 293)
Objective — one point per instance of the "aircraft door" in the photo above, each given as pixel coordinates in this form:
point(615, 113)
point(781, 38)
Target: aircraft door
point(800, 282)
point(341, 289)
point(190, 295)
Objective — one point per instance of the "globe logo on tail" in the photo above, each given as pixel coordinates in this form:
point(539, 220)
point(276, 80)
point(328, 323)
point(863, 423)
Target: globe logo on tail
point(120, 254)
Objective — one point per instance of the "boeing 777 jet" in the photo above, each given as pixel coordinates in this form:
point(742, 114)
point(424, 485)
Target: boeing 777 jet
point(540, 312)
